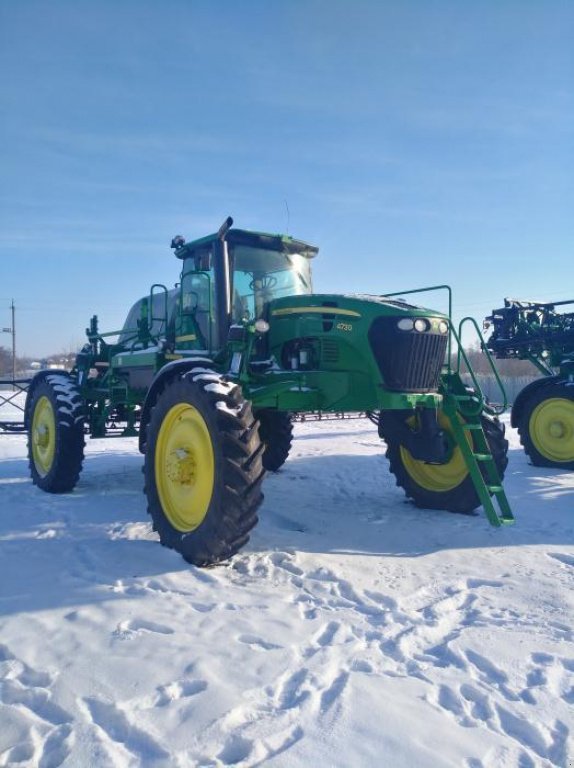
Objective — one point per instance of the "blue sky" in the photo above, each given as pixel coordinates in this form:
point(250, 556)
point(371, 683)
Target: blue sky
point(415, 142)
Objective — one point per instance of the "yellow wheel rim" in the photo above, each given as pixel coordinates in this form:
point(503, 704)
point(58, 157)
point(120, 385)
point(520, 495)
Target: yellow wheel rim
point(43, 436)
point(439, 478)
point(184, 467)
point(551, 428)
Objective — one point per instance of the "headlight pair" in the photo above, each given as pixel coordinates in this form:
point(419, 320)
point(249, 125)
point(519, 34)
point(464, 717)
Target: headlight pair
point(421, 325)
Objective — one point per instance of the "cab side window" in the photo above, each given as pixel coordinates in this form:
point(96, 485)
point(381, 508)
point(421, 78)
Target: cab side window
point(196, 327)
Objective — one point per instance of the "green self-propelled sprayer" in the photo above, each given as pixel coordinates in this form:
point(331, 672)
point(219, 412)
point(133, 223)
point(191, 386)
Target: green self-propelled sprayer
point(210, 374)
point(543, 412)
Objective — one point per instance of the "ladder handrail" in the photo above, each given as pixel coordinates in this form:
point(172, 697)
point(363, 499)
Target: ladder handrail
point(497, 410)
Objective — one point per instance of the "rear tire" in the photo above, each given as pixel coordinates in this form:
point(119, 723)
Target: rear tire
point(203, 467)
point(546, 426)
point(446, 486)
point(276, 432)
point(55, 433)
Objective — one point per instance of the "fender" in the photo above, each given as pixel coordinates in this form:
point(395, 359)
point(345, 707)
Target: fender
point(168, 372)
point(526, 393)
point(38, 379)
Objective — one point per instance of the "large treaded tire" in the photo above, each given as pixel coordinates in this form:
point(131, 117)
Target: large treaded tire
point(223, 440)
point(55, 433)
point(549, 407)
point(276, 431)
point(461, 498)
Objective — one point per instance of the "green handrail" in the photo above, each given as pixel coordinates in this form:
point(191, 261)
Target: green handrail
point(497, 410)
point(163, 292)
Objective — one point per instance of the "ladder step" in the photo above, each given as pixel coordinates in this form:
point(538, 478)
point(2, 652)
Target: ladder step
point(477, 457)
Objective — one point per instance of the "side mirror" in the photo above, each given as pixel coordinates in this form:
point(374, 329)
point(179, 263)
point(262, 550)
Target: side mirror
point(177, 242)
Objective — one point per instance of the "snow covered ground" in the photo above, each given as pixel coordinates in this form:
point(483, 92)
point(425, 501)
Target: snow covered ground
point(354, 629)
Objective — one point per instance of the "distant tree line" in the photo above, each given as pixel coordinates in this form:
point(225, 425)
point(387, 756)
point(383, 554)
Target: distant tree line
point(22, 363)
point(507, 368)
point(26, 364)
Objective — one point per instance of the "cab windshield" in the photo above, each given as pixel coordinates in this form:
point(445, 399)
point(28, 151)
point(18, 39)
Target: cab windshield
point(260, 275)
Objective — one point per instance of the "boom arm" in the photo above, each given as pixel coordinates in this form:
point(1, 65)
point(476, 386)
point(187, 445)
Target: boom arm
point(535, 331)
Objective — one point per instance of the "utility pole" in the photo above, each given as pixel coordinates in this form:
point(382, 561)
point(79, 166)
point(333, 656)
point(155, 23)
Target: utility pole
point(12, 330)
point(13, 341)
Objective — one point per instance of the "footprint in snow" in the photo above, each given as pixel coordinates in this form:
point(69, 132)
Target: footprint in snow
point(128, 630)
point(117, 727)
point(552, 674)
point(180, 689)
point(331, 694)
point(476, 583)
point(478, 701)
point(283, 560)
point(28, 690)
point(490, 674)
point(562, 558)
point(257, 643)
point(235, 750)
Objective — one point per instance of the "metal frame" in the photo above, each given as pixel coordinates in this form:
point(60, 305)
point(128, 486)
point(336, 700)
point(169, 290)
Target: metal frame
point(19, 386)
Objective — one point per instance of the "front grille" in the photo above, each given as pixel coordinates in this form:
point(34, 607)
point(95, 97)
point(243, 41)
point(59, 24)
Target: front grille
point(408, 361)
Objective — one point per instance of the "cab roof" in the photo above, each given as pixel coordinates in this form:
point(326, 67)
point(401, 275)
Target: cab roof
point(280, 243)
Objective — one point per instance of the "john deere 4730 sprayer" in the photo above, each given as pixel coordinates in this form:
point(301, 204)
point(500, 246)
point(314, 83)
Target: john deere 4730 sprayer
point(210, 373)
point(543, 412)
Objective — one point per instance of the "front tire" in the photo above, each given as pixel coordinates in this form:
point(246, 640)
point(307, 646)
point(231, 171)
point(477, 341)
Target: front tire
point(449, 485)
point(546, 426)
point(203, 467)
point(55, 433)
point(276, 431)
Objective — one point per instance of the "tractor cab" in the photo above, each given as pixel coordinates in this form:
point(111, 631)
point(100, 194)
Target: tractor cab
point(231, 276)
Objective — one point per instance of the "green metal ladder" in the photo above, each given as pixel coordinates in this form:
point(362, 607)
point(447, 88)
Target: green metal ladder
point(463, 409)
point(478, 459)
point(469, 404)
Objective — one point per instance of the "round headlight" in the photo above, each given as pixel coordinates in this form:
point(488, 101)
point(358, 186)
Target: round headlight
point(405, 324)
point(443, 327)
point(261, 326)
point(420, 325)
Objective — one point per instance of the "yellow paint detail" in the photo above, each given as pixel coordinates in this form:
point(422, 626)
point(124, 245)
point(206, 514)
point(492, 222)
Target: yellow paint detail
point(43, 436)
point(439, 478)
point(173, 357)
point(551, 428)
point(188, 337)
point(314, 310)
point(184, 467)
